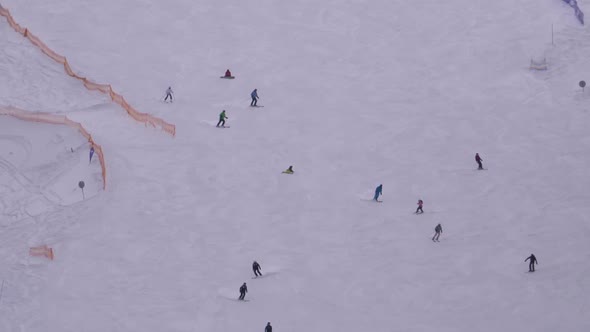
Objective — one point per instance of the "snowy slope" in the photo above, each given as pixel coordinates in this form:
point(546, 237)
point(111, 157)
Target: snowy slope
point(355, 94)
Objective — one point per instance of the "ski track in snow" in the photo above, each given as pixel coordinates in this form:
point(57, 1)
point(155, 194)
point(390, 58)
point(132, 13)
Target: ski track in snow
point(355, 95)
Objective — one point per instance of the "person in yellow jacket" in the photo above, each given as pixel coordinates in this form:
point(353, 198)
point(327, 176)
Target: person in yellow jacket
point(289, 170)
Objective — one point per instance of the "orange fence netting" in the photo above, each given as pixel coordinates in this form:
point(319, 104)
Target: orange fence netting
point(62, 120)
point(104, 88)
point(43, 251)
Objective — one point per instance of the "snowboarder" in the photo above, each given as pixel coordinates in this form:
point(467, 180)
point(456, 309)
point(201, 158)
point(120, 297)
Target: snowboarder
point(478, 160)
point(255, 97)
point(222, 118)
point(289, 170)
point(91, 154)
point(420, 203)
point(228, 73)
point(243, 291)
point(256, 269)
point(268, 328)
point(437, 231)
point(168, 94)
point(532, 261)
point(378, 191)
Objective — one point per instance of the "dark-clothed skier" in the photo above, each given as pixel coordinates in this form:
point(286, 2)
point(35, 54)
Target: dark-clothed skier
point(289, 170)
point(169, 94)
point(532, 261)
point(255, 97)
point(222, 118)
point(478, 160)
point(419, 208)
point(256, 269)
point(378, 191)
point(227, 73)
point(437, 231)
point(243, 291)
point(268, 328)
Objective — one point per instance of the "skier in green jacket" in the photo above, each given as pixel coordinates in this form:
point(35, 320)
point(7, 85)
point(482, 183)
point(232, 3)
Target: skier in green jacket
point(222, 118)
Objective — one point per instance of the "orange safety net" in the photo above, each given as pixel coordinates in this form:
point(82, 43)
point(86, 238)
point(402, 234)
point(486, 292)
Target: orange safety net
point(62, 120)
point(104, 88)
point(42, 251)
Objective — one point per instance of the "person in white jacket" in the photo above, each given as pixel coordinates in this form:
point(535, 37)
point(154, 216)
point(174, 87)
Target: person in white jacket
point(168, 94)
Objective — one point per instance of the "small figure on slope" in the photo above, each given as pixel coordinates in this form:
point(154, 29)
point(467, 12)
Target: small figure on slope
point(255, 97)
point(256, 269)
point(437, 231)
point(222, 118)
point(168, 94)
point(243, 291)
point(289, 170)
point(227, 74)
point(478, 160)
point(268, 327)
point(378, 191)
point(419, 208)
point(532, 261)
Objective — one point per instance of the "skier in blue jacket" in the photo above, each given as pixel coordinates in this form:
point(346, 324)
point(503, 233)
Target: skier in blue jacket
point(378, 191)
point(255, 97)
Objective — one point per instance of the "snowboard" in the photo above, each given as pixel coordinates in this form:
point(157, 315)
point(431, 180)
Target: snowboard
point(256, 106)
point(370, 200)
point(228, 77)
point(223, 127)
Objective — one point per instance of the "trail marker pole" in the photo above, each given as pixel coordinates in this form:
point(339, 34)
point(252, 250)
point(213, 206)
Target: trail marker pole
point(81, 185)
point(1, 289)
point(552, 34)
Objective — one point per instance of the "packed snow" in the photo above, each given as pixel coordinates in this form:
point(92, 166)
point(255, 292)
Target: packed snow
point(355, 94)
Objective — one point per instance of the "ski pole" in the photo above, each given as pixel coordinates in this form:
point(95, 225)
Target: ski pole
point(1, 289)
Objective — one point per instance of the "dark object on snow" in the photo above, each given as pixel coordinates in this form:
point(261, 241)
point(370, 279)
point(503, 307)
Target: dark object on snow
point(478, 160)
point(437, 231)
point(268, 328)
point(289, 170)
point(222, 118)
point(256, 269)
point(378, 191)
point(255, 97)
point(169, 94)
point(419, 208)
point(532, 261)
point(243, 291)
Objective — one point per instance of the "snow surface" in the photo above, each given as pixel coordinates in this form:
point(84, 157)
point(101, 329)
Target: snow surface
point(356, 93)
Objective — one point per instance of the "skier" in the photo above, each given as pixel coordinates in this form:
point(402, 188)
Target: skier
point(378, 191)
point(532, 262)
point(268, 328)
point(437, 231)
point(91, 153)
point(222, 118)
point(168, 94)
point(420, 203)
point(227, 73)
point(256, 269)
point(243, 291)
point(478, 160)
point(255, 97)
point(289, 170)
